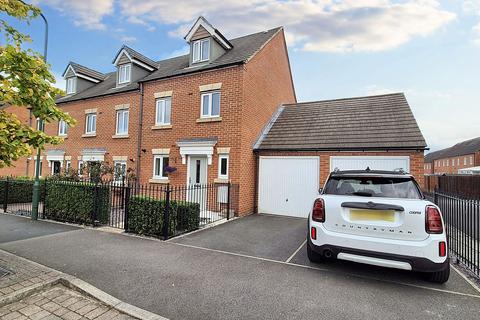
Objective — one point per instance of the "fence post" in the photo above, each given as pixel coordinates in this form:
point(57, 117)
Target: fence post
point(127, 202)
point(166, 213)
point(228, 200)
point(435, 196)
point(5, 196)
point(95, 205)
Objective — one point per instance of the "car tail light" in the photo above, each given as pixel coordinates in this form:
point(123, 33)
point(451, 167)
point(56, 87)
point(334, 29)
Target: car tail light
point(318, 211)
point(433, 220)
point(313, 233)
point(442, 249)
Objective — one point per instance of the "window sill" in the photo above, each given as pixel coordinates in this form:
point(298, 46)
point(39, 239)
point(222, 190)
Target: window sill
point(120, 136)
point(89, 135)
point(212, 119)
point(162, 126)
point(221, 180)
point(161, 181)
point(63, 136)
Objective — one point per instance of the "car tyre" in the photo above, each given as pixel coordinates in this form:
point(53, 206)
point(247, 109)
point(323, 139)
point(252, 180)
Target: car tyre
point(439, 276)
point(314, 256)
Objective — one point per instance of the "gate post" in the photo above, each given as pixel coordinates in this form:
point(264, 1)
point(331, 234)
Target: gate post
point(95, 205)
point(127, 202)
point(228, 200)
point(166, 213)
point(5, 197)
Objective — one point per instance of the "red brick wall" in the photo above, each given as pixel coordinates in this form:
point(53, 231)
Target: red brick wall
point(185, 112)
point(267, 84)
point(74, 143)
point(452, 164)
point(19, 167)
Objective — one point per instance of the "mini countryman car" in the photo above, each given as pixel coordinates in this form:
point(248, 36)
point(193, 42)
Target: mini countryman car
point(379, 218)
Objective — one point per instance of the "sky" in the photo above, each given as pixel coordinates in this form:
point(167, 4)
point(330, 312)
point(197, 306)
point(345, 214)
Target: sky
point(428, 49)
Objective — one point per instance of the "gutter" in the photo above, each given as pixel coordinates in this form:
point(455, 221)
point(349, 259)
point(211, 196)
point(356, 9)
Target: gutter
point(139, 135)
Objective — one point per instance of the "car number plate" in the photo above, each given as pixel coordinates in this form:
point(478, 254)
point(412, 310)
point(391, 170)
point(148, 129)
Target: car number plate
point(372, 215)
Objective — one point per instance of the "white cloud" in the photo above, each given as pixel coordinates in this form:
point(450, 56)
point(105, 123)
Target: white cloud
point(472, 7)
point(476, 34)
point(322, 25)
point(87, 13)
point(373, 90)
point(128, 39)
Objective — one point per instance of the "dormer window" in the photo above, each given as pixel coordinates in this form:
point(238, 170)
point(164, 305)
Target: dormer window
point(201, 50)
point(124, 73)
point(71, 84)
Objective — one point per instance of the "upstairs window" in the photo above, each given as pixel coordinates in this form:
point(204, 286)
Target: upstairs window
point(62, 128)
point(91, 123)
point(201, 50)
point(210, 104)
point(122, 121)
point(124, 72)
point(71, 84)
point(163, 111)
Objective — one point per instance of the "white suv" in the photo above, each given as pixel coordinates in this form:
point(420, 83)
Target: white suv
point(379, 218)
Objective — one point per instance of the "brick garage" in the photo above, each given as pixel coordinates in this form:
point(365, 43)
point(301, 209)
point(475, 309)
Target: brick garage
point(304, 142)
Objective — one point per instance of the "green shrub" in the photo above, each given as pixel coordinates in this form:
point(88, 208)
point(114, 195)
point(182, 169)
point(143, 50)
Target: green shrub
point(146, 216)
point(75, 202)
point(20, 190)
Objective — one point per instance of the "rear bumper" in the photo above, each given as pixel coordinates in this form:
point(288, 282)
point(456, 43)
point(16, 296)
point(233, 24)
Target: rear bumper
point(417, 264)
point(411, 255)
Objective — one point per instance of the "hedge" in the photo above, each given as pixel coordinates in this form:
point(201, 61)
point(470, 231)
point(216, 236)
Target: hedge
point(75, 202)
point(20, 190)
point(146, 216)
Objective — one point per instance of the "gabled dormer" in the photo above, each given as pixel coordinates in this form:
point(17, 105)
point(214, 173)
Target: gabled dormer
point(79, 78)
point(131, 66)
point(206, 42)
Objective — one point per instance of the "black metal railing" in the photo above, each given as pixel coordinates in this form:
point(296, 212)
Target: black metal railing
point(462, 221)
point(151, 209)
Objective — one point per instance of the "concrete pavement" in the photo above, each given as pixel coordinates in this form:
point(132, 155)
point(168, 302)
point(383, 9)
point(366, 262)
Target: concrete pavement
point(188, 281)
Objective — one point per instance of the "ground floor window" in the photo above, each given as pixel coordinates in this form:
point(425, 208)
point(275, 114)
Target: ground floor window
point(159, 165)
point(120, 170)
point(68, 166)
point(56, 167)
point(80, 167)
point(223, 166)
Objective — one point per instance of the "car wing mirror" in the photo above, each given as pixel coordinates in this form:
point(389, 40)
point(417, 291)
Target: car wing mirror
point(320, 190)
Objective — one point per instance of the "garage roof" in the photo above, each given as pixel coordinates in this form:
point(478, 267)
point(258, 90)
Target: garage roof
point(383, 122)
point(460, 149)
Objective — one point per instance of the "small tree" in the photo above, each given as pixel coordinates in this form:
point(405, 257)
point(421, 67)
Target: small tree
point(25, 82)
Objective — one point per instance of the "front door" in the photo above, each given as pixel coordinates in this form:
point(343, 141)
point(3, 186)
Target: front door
point(56, 167)
point(197, 181)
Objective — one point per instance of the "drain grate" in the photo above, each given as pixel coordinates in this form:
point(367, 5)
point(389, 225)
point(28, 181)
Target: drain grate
point(4, 272)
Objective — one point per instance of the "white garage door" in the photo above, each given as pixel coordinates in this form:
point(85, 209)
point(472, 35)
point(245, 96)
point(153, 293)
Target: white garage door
point(288, 185)
point(373, 162)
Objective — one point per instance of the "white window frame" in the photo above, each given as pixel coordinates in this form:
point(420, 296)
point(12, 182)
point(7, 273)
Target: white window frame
point(210, 104)
point(68, 165)
point(471, 160)
point(125, 114)
point(124, 73)
point(62, 128)
point(163, 103)
point(162, 157)
point(120, 162)
point(197, 50)
point(80, 167)
point(87, 116)
point(220, 175)
point(71, 85)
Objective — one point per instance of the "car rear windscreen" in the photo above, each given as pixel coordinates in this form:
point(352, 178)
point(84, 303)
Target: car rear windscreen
point(387, 187)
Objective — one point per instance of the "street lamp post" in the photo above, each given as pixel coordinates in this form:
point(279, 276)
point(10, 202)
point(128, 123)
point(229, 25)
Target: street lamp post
point(36, 183)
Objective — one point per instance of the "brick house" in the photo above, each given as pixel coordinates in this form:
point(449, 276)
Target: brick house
point(200, 113)
point(306, 141)
point(465, 154)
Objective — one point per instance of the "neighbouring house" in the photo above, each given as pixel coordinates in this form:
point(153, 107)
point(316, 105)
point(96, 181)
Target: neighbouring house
point(304, 142)
point(200, 112)
point(456, 159)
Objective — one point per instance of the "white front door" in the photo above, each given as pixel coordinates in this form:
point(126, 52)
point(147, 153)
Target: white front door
point(197, 180)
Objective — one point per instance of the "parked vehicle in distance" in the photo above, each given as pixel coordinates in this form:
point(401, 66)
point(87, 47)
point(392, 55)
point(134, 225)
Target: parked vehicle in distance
point(379, 218)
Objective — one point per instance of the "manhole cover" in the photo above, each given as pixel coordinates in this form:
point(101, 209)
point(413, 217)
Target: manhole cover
point(4, 272)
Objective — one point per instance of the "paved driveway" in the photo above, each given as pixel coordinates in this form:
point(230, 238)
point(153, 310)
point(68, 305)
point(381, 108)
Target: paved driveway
point(196, 277)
